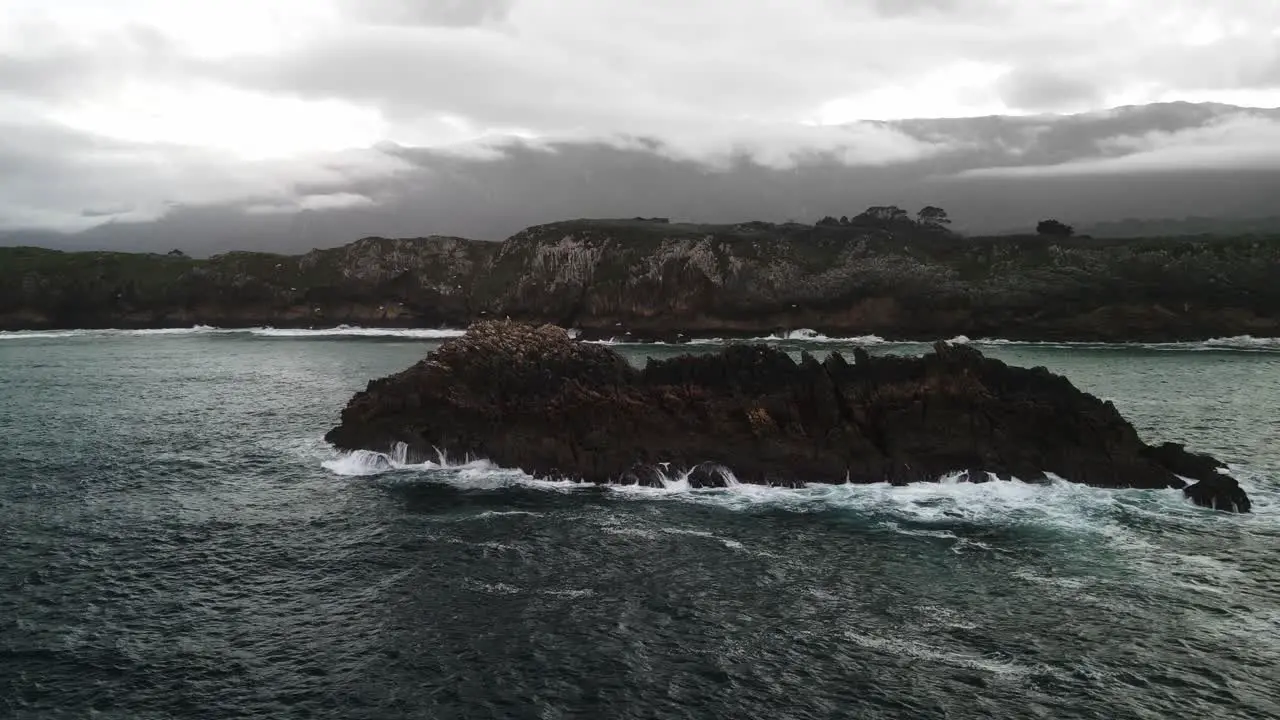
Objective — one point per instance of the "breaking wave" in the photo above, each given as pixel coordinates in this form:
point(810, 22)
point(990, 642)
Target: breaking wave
point(1237, 342)
point(1246, 343)
point(806, 335)
point(952, 501)
point(352, 331)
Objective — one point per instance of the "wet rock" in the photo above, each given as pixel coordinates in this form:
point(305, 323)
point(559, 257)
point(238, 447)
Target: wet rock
point(1215, 488)
point(532, 397)
point(1219, 493)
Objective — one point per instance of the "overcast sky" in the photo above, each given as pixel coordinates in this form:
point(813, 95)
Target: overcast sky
point(125, 109)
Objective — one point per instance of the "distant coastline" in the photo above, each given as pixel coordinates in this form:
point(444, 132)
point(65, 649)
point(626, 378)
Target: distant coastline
point(647, 279)
point(796, 338)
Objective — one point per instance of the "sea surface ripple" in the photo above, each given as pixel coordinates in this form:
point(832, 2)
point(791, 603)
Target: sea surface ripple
point(176, 541)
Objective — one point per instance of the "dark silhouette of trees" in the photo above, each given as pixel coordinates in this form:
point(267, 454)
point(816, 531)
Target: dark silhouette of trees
point(879, 214)
point(933, 216)
point(1054, 228)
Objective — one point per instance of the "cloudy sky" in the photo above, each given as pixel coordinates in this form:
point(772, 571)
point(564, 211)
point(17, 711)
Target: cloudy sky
point(130, 110)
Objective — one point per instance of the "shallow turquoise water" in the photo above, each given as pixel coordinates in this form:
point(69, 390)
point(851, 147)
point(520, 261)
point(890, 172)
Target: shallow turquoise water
point(177, 541)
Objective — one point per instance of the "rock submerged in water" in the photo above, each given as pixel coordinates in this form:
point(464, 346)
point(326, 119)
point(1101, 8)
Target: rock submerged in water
point(532, 397)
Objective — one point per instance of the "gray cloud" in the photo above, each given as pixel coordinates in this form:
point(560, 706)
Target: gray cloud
point(419, 191)
point(720, 100)
point(1236, 141)
point(898, 8)
point(1047, 90)
point(54, 68)
point(57, 177)
point(500, 88)
point(437, 13)
point(574, 69)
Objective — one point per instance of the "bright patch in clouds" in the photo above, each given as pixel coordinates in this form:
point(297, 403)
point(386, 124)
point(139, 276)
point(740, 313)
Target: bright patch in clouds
point(965, 89)
point(311, 202)
point(250, 125)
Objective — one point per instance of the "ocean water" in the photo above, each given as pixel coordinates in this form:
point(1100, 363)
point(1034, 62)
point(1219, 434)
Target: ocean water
point(176, 541)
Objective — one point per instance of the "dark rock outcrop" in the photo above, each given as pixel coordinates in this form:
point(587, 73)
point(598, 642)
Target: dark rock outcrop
point(532, 397)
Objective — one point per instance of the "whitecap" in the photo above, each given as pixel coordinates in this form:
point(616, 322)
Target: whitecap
point(920, 651)
point(38, 334)
point(506, 513)
point(497, 588)
point(572, 593)
point(356, 331)
point(107, 332)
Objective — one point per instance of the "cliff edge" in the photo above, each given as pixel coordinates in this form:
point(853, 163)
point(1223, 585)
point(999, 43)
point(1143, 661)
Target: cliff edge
point(670, 280)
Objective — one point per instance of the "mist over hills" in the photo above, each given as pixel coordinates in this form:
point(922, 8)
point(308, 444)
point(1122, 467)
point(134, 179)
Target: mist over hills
point(993, 174)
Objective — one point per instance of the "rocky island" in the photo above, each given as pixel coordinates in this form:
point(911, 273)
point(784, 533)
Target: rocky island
point(652, 279)
point(533, 397)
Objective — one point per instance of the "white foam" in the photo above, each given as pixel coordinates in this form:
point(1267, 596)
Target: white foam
point(1247, 343)
point(37, 334)
point(506, 513)
point(570, 593)
point(918, 650)
point(354, 331)
point(922, 509)
point(359, 462)
point(50, 334)
point(1059, 503)
point(801, 335)
point(494, 588)
point(469, 473)
point(1239, 342)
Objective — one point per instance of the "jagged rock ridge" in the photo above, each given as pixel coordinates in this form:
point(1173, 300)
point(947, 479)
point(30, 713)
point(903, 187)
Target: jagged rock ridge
point(534, 398)
point(664, 280)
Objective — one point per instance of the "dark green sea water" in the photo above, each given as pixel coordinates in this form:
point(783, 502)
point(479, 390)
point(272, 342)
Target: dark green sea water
point(176, 541)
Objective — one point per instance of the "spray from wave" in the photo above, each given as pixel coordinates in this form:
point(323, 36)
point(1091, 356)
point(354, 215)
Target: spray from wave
point(1247, 343)
point(1238, 342)
point(804, 335)
point(951, 502)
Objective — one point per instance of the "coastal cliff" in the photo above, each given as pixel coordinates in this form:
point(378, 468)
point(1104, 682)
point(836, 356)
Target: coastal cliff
point(653, 279)
point(374, 282)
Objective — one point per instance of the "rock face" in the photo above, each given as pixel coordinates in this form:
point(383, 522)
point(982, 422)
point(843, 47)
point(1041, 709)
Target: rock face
point(532, 397)
point(661, 279)
point(374, 282)
point(654, 280)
